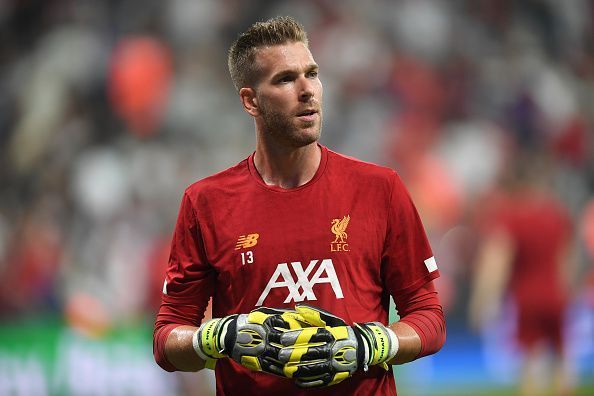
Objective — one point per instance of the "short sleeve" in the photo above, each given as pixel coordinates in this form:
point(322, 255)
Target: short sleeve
point(189, 280)
point(407, 260)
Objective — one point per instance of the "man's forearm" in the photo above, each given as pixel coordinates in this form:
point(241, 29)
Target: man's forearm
point(409, 343)
point(179, 350)
point(421, 330)
point(181, 354)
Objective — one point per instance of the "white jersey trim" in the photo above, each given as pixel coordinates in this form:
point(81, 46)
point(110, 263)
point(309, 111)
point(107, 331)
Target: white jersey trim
point(431, 264)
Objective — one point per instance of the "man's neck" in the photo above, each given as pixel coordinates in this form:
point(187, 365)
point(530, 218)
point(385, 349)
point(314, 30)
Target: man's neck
point(287, 167)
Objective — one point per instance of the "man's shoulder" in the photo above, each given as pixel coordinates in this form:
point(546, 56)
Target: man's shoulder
point(360, 168)
point(220, 181)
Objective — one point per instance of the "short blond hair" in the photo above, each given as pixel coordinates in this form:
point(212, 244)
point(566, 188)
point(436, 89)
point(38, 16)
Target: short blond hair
point(242, 54)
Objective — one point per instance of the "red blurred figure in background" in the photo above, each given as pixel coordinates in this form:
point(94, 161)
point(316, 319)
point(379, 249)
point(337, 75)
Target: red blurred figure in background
point(525, 253)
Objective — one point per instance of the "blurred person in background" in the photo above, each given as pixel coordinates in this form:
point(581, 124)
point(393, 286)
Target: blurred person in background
point(351, 224)
point(526, 254)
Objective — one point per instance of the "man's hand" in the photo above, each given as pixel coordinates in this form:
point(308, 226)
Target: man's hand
point(253, 340)
point(331, 351)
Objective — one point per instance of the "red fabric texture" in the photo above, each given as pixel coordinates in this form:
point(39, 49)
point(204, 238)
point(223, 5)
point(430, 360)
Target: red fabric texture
point(160, 335)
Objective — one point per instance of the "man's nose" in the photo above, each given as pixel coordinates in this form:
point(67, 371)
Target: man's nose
point(306, 90)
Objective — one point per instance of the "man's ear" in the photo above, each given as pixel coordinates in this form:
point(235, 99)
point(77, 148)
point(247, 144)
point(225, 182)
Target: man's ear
point(249, 101)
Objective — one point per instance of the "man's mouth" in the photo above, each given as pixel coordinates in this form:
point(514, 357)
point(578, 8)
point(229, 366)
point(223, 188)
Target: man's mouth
point(307, 113)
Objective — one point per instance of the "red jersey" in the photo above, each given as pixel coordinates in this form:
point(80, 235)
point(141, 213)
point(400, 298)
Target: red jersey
point(540, 228)
point(345, 241)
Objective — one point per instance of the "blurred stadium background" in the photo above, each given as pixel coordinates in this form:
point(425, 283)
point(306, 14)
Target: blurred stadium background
point(108, 109)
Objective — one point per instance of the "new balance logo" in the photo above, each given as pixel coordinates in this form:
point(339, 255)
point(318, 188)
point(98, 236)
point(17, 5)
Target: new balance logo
point(247, 241)
point(300, 286)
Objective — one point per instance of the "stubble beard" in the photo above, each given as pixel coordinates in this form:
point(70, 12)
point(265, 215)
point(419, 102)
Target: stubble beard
point(289, 131)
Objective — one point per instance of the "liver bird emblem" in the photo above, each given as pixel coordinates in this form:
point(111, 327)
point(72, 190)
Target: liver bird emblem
point(339, 229)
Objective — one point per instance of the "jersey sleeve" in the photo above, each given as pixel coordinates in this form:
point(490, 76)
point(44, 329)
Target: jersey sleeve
point(422, 311)
point(188, 282)
point(189, 278)
point(407, 260)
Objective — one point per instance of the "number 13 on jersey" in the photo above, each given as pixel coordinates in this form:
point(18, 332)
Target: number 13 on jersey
point(247, 257)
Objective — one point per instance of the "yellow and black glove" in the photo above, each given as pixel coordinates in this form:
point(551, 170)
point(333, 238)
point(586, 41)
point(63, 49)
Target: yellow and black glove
point(253, 340)
point(331, 351)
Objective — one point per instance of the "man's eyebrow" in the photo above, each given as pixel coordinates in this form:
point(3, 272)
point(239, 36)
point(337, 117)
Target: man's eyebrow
point(288, 72)
point(284, 72)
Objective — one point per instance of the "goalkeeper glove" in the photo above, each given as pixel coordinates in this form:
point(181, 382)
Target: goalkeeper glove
point(252, 340)
point(332, 351)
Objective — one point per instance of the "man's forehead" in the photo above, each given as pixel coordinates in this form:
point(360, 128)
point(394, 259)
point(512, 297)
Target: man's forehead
point(284, 56)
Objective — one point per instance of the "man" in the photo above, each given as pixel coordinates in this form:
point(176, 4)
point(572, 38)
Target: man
point(526, 254)
point(296, 223)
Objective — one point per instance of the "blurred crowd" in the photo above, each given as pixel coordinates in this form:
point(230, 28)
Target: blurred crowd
point(109, 109)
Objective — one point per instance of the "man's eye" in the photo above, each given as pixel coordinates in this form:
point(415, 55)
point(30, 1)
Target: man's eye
point(312, 74)
point(284, 80)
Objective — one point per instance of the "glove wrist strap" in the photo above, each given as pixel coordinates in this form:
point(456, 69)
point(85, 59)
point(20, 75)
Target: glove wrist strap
point(394, 344)
point(208, 362)
point(206, 344)
point(380, 346)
